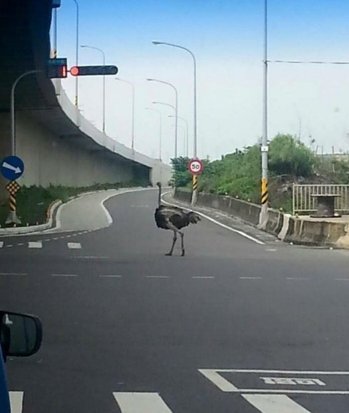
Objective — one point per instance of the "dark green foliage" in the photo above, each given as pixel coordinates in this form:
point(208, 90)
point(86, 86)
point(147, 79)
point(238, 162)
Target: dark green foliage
point(33, 202)
point(181, 176)
point(291, 157)
point(236, 174)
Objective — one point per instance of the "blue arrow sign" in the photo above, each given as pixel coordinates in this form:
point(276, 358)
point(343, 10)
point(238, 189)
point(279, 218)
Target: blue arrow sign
point(12, 167)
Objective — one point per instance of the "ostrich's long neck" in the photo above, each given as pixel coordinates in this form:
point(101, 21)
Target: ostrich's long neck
point(159, 200)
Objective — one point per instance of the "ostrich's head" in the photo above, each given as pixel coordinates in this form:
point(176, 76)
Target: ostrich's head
point(158, 184)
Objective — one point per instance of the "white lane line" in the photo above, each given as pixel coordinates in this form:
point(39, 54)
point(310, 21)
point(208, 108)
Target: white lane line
point(13, 273)
point(90, 257)
point(203, 277)
point(1, 244)
point(16, 401)
point(110, 276)
point(156, 276)
point(271, 249)
point(250, 278)
point(141, 402)
point(34, 244)
point(74, 245)
point(280, 403)
point(64, 275)
point(297, 278)
point(342, 279)
point(243, 234)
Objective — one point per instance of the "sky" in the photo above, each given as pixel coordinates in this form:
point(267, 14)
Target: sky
point(305, 100)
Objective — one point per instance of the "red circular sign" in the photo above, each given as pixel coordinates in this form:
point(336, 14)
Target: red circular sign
point(195, 166)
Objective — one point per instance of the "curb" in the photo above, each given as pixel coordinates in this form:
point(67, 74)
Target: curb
point(51, 214)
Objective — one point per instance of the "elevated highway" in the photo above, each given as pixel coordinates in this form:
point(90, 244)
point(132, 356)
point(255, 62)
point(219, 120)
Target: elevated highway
point(58, 145)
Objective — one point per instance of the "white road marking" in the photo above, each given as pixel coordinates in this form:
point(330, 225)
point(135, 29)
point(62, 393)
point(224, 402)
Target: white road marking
point(243, 234)
point(34, 244)
point(74, 245)
point(342, 279)
point(218, 380)
point(271, 249)
point(280, 403)
point(110, 276)
point(203, 277)
point(13, 273)
point(214, 375)
point(297, 278)
point(141, 403)
point(89, 257)
point(156, 276)
point(1, 244)
point(64, 275)
point(16, 401)
point(250, 278)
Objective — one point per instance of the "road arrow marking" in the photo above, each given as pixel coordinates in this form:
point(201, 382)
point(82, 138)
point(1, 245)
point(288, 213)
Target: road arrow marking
point(17, 170)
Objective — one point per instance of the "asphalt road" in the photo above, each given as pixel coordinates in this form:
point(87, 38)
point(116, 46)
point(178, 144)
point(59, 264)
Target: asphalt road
point(234, 326)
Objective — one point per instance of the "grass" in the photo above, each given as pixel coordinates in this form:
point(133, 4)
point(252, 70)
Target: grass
point(33, 202)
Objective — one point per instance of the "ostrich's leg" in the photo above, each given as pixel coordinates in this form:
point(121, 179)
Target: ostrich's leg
point(173, 243)
point(182, 244)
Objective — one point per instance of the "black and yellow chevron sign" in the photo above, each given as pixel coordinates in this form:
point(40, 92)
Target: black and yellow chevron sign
point(195, 182)
point(265, 192)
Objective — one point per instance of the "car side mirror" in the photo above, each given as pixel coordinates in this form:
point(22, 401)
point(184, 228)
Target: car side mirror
point(20, 334)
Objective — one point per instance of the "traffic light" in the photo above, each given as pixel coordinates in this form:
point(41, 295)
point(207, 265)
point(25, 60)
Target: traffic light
point(57, 68)
point(93, 70)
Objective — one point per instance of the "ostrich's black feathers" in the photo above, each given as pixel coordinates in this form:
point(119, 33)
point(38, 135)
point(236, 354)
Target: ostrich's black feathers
point(176, 216)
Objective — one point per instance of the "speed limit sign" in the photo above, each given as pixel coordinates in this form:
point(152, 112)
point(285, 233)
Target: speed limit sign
point(195, 167)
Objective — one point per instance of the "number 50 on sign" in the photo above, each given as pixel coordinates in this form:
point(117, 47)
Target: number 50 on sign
point(195, 166)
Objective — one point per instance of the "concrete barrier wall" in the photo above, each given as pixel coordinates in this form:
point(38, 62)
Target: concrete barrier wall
point(50, 159)
point(284, 226)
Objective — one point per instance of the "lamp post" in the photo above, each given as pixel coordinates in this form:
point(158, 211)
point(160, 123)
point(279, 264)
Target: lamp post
point(103, 54)
point(133, 110)
point(13, 123)
point(160, 131)
point(186, 133)
point(176, 109)
point(164, 104)
point(194, 196)
point(77, 53)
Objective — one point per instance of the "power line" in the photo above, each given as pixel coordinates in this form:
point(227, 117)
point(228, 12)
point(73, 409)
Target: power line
point(308, 62)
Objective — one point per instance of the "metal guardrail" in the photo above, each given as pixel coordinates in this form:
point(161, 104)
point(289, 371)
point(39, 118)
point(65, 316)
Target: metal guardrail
point(304, 201)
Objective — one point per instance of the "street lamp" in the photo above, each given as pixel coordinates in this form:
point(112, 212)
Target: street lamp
point(160, 130)
point(13, 123)
point(194, 196)
point(77, 53)
point(186, 134)
point(133, 109)
point(176, 105)
point(103, 54)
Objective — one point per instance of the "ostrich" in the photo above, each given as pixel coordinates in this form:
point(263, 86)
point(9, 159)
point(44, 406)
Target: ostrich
point(174, 218)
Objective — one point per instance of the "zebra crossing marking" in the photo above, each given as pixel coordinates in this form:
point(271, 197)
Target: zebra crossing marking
point(16, 401)
point(141, 402)
point(274, 403)
point(34, 244)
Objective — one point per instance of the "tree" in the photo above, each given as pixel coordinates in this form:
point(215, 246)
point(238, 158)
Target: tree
point(287, 156)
